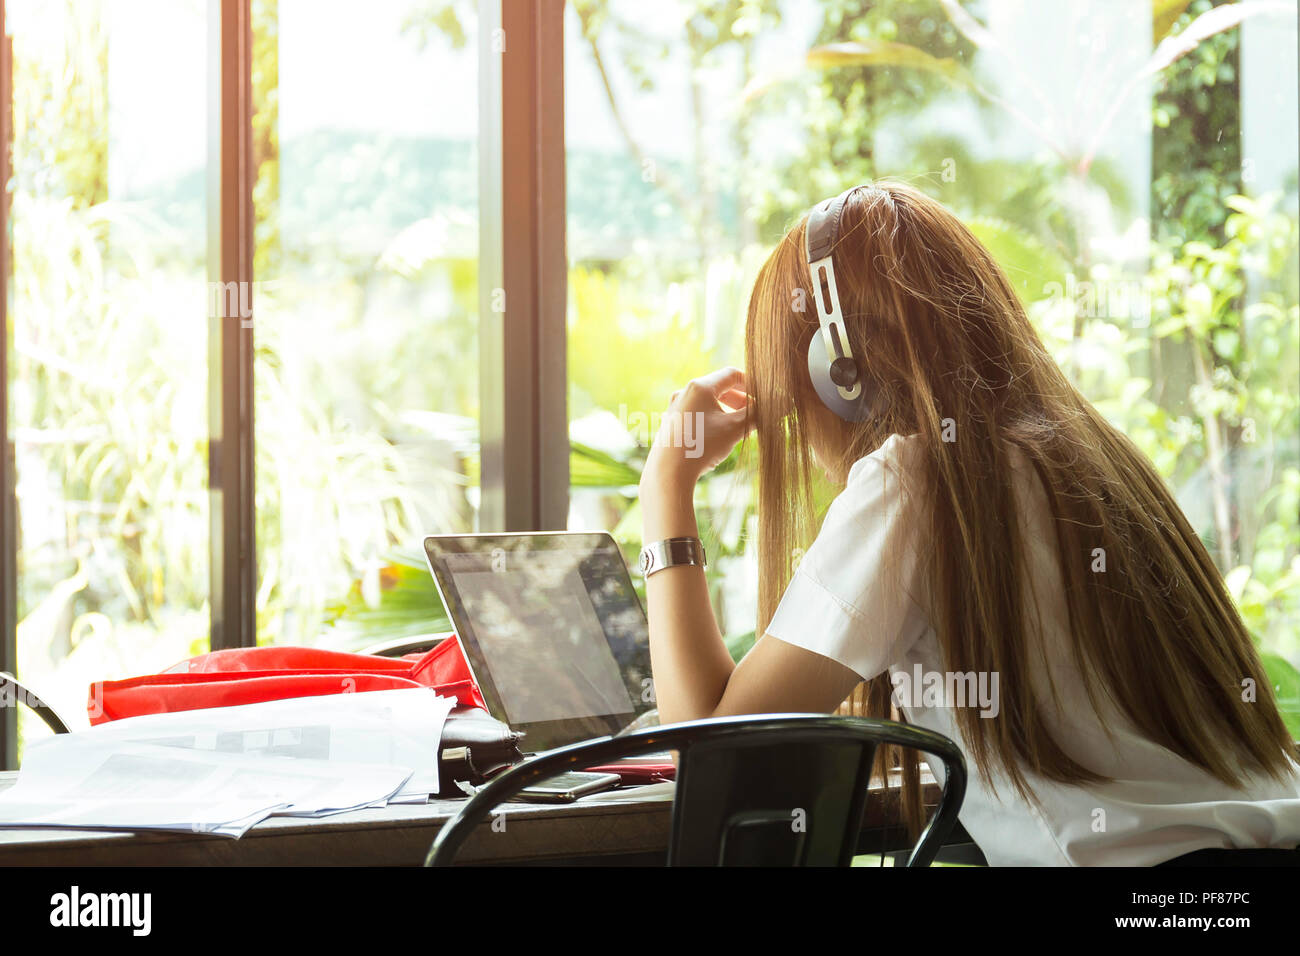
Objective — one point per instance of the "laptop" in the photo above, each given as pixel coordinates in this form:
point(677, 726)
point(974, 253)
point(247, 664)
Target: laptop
point(552, 630)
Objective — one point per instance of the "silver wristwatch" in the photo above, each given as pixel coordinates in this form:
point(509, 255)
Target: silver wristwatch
point(671, 552)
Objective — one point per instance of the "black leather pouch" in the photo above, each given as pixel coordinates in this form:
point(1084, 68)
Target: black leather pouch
point(475, 747)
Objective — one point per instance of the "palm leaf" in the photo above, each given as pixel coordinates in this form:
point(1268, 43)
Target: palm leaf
point(878, 53)
point(591, 468)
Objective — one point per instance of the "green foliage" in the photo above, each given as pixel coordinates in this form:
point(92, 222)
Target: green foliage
point(398, 600)
point(1031, 266)
point(591, 468)
point(882, 61)
point(613, 330)
point(265, 15)
point(1205, 387)
point(1286, 686)
point(55, 96)
point(1196, 134)
point(109, 394)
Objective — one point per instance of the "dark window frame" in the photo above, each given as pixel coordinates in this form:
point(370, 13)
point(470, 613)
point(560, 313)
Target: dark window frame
point(8, 457)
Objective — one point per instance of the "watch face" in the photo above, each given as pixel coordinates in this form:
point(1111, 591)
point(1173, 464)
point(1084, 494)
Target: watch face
point(645, 561)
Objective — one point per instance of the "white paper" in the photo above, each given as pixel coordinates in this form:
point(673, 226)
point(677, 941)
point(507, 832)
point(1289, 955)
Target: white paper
point(223, 770)
point(71, 781)
point(398, 727)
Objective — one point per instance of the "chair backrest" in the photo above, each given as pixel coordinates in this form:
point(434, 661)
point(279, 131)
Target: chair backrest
point(786, 794)
point(12, 689)
point(779, 789)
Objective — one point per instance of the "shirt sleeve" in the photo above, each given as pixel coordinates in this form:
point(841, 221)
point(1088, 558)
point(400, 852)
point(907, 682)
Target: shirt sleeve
point(852, 597)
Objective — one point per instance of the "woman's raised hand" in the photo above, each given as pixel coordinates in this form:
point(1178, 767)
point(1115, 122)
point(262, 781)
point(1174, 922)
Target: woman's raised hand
point(704, 421)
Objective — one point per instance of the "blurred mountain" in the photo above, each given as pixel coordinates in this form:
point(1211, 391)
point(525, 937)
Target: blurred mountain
point(345, 195)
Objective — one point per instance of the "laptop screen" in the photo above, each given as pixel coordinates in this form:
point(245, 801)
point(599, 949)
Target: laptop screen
point(551, 627)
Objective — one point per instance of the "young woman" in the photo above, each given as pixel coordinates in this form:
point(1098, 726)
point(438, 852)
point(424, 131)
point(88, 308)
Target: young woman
point(1001, 565)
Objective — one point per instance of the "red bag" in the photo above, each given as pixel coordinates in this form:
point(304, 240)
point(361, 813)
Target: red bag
point(636, 774)
point(250, 675)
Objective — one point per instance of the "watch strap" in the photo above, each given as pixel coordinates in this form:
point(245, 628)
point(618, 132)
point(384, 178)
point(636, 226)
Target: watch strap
point(672, 552)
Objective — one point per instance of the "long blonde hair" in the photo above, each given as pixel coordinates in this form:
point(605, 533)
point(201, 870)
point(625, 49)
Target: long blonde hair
point(938, 327)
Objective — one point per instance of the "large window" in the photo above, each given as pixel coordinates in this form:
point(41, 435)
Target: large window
point(1142, 194)
point(366, 372)
point(355, 289)
point(107, 370)
point(392, 190)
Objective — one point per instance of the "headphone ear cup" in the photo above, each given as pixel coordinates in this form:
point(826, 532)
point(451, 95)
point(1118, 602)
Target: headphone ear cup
point(819, 370)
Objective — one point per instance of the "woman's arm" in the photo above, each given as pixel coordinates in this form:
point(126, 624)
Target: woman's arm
point(691, 663)
point(694, 675)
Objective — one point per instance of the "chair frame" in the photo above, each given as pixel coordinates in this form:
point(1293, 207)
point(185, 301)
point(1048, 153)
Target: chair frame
point(10, 685)
point(773, 728)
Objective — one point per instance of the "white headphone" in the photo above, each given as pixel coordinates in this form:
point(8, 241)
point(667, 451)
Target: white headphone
point(835, 374)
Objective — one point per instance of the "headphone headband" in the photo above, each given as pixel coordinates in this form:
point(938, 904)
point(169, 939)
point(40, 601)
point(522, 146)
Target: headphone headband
point(824, 226)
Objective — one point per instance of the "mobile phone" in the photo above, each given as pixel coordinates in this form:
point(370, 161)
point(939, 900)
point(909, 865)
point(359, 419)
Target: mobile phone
point(567, 787)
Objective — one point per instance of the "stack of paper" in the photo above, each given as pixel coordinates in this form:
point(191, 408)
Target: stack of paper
point(222, 770)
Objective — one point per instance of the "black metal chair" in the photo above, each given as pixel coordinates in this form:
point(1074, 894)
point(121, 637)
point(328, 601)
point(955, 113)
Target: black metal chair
point(13, 689)
point(775, 790)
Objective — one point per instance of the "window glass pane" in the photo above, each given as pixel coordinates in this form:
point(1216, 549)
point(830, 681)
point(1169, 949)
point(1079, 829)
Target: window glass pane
point(108, 369)
point(1145, 207)
point(366, 301)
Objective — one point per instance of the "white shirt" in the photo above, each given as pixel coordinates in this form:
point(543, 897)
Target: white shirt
point(843, 604)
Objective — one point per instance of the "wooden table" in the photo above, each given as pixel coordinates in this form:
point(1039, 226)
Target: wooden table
point(627, 830)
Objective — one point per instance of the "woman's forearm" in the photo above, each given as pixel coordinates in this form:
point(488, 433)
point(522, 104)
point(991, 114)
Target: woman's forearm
point(690, 662)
